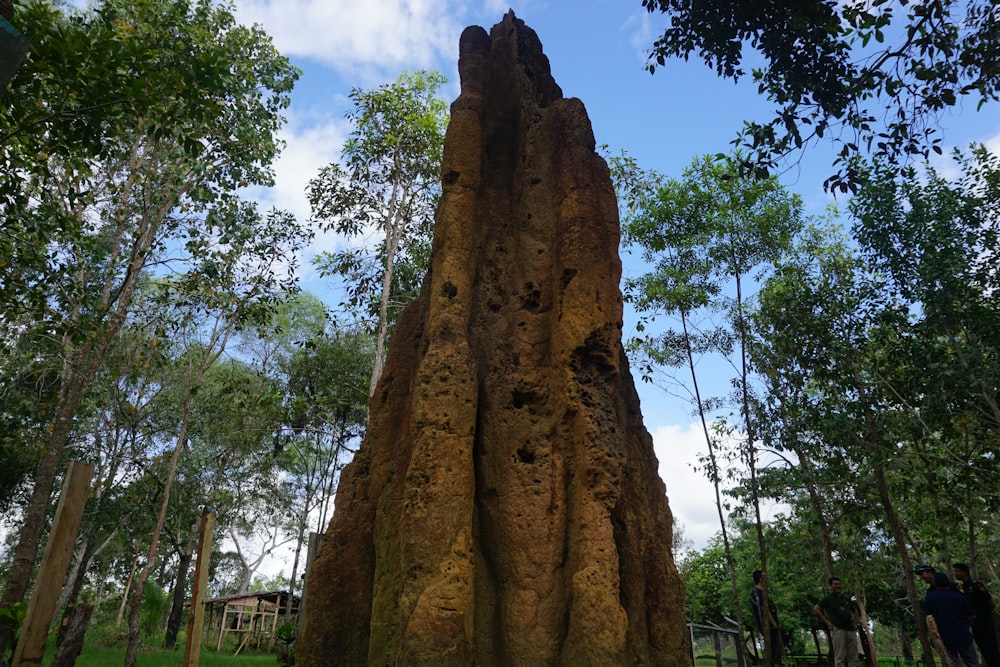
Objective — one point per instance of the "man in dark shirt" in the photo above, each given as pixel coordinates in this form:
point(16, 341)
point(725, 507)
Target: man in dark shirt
point(839, 614)
point(953, 615)
point(984, 630)
point(925, 572)
point(757, 602)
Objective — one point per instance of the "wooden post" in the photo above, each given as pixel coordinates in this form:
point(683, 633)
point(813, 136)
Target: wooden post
point(222, 626)
point(55, 562)
point(13, 48)
point(196, 620)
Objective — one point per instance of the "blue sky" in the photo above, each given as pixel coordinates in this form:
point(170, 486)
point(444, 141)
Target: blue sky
point(596, 49)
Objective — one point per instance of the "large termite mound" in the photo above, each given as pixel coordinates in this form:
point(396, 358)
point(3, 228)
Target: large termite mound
point(505, 508)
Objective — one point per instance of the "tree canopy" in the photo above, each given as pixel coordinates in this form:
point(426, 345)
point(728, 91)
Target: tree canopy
point(873, 75)
point(873, 380)
point(389, 183)
point(150, 321)
point(128, 132)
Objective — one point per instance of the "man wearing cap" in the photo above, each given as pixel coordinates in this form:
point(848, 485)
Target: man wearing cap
point(984, 629)
point(839, 613)
point(953, 615)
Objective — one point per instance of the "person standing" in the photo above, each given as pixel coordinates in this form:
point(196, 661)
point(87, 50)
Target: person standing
point(954, 615)
point(757, 595)
point(984, 630)
point(926, 573)
point(839, 613)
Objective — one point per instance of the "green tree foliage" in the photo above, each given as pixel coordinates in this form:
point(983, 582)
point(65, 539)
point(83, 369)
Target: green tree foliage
point(127, 131)
point(226, 571)
point(705, 237)
point(834, 351)
point(29, 389)
point(708, 586)
point(326, 401)
point(872, 75)
point(297, 318)
point(870, 375)
point(811, 328)
point(796, 582)
point(206, 323)
point(327, 384)
point(388, 183)
point(195, 118)
point(936, 242)
point(278, 582)
point(701, 234)
point(155, 604)
point(117, 425)
point(269, 480)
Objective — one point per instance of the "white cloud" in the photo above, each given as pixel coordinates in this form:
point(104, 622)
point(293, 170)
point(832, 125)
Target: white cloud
point(347, 34)
point(641, 33)
point(691, 496)
point(310, 144)
point(945, 164)
point(993, 144)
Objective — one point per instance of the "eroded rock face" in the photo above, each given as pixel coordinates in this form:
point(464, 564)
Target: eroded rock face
point(505, 507)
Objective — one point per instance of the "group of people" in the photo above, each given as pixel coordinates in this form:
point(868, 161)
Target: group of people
point(837, 611)
point(962, 611)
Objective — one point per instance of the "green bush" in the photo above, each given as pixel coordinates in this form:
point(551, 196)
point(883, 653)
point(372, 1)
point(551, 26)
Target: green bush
point(153, 610)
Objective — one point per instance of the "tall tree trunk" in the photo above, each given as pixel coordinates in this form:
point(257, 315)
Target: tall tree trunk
point(330, 480)
point(295, 572)
point(716, 482)
point(970, 508)
point(870, 443)
point(393, 234)
point(815, 501)
point(751, 459)
point(33, 527)
point(71, 395)
point(944, 527)
point(79, 369)
point(904, 556)
point(994, 575)
point(180, 589)
point(196, 371)
point(86, 551)
point(303, 524)
point(128, 587)
point(74, 584)
point(74, 580)
point(76, 617)
point(863, 617)
point(906, 647)
point(815, 636)
point(132, 649)
point(74, 630)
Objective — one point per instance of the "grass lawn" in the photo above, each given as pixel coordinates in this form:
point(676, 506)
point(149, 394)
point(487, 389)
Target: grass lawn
point(97, 655)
